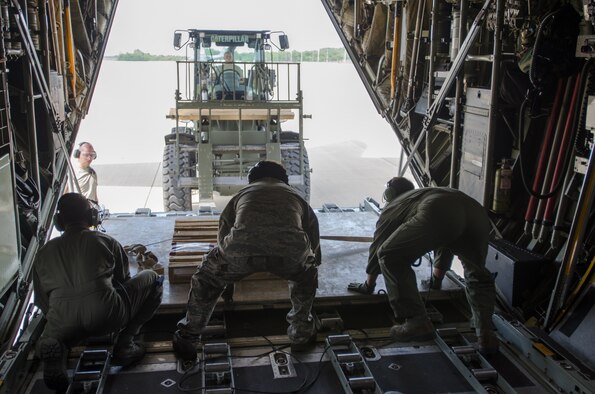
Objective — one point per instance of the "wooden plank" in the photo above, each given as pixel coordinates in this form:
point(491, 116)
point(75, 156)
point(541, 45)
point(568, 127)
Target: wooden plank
point(197, 223)
point(191, 232)
point(182, 271)
point(229, 114)
point(181, 240)
point(347, 238)
point(252, 290)
point(184, 226)
point(187, 253)
point(202, 221)
point(180, 274)
point(189, 259)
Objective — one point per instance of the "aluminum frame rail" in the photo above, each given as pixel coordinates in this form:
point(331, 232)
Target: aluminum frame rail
point(91, 372)
point(464, 356)
point(217, 375)
point(351, 368)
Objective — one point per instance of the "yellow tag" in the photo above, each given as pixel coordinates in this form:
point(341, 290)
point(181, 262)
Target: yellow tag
point(546, 351)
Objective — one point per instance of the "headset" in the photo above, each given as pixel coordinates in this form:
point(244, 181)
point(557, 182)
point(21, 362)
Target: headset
point(77, 151)
point(395, 187)
point(389, 193)
point(91, 218)
point(264, 169)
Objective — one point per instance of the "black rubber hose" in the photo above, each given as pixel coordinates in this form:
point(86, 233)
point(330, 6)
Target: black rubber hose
point(536, 45)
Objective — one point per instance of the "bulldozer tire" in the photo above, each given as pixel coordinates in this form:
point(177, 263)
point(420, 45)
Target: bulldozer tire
point(175, 198)
point(291, 161)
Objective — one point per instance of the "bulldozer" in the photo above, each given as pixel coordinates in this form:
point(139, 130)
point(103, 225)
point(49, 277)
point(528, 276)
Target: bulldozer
point(228, 116)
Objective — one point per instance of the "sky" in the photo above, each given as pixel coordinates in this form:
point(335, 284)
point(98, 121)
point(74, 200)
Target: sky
point(149, 25)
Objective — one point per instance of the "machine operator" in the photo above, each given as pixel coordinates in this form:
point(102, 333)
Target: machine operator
point(83, 286)
point(415, 222)
point(266, 227)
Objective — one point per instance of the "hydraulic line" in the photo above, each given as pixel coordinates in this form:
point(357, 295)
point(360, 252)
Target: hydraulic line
point(432, 57)
point(455, 69)
point(494, 110)
point(545, 147)
point(70, 47)
point(564, 154)
point(585, 281)
point(396, 55)
point(409, 99)
point(566, 109)
point(570, 182)
point(459, 91)
point(575, 246)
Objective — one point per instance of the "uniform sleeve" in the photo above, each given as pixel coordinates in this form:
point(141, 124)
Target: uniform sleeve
point(121, 267)
point(226, 220)
point(373, 266)
point(313, 231)
point(41, 297)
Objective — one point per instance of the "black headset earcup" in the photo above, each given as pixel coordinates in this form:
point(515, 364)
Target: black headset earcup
point(93, 217)
point(77, 151)
point(58, 222)
point(389, 194)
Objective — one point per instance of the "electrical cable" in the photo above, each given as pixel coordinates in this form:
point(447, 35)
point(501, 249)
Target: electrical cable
point(319, 369)
point(158, 242)
point(152, 184)
point(536, 44)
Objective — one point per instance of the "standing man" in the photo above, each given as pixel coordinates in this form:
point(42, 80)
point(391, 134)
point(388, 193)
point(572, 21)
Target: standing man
point(83, 286)
point(266, 227)
point(415, 222)
point(85, 175)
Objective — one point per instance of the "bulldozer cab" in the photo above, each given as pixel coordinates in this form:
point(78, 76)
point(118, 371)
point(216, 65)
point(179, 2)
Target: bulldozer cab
point(232, 99)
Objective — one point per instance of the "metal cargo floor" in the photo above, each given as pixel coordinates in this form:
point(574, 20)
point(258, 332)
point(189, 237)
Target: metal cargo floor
point(342, 262)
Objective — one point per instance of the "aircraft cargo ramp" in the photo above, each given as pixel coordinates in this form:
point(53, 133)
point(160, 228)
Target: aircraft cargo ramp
point(247, 349)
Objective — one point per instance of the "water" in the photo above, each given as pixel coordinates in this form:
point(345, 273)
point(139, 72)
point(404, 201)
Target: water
point(352, 150)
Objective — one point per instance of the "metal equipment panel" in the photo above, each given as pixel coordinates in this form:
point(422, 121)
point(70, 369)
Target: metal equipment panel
point(475, 137)
point(9, 245)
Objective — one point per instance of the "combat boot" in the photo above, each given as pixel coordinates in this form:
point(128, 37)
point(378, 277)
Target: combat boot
point(487, 342)
point(185, 346)
point(417, 328)
point(127, 352)
point(53, 355)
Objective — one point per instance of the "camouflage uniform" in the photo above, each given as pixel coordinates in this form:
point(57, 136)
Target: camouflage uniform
point(441, 219)
point(266, 227)
point(83, 286)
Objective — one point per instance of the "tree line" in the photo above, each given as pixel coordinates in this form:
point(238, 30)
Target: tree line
point(316, 55)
